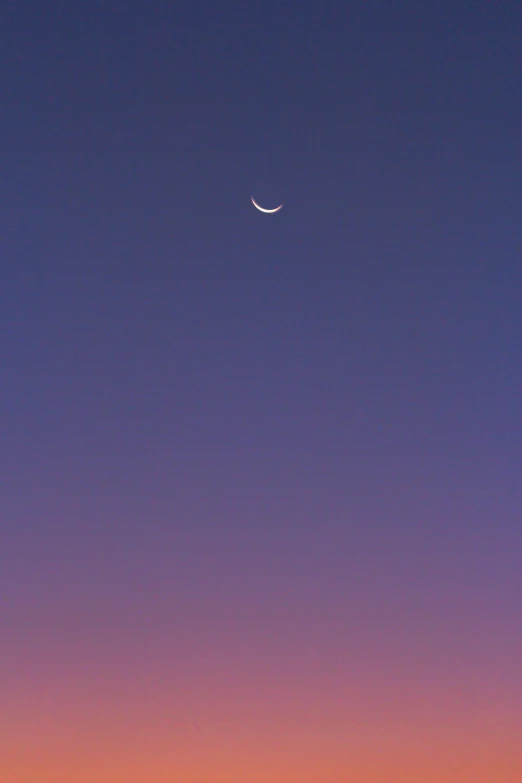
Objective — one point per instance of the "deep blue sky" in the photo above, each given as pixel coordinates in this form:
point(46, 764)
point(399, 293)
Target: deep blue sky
point(138, 284)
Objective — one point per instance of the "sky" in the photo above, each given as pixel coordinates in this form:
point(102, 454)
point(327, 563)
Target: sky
point(260, 516)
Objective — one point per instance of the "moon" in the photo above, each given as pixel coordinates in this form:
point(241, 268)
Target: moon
point(268, 211)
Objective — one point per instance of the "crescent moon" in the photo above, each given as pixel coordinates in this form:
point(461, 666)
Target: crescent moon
point(268, 211)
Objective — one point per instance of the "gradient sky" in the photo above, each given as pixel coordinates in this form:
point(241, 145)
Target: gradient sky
point(261, 508)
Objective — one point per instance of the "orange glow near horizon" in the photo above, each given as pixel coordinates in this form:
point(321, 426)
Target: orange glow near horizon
point(221, 726)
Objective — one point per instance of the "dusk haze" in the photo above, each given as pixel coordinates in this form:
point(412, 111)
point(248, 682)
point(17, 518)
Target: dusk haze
point(261, 391)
